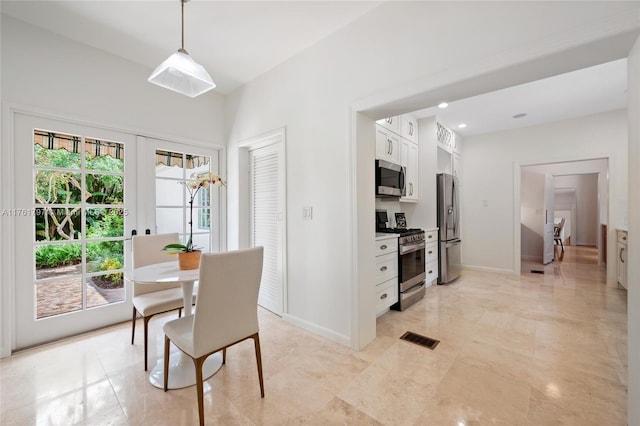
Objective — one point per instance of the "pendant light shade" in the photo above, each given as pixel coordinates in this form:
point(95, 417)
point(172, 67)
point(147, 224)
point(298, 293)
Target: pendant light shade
point(180, 73)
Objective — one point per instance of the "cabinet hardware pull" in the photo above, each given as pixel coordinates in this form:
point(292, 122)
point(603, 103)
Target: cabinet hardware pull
point(383, 247)
point(621, 250)
point(384, 268)
point(430, 272)
point(430, 236)
point(430, 251)
point(384, 296)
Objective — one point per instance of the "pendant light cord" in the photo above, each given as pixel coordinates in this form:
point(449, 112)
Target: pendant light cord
point(182, 14)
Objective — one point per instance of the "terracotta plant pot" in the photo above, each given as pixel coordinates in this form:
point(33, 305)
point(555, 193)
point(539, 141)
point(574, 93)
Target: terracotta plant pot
point(189, 260)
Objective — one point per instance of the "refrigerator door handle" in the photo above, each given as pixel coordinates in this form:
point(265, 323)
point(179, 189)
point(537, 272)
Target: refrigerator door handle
point(452, 243)
point(455, 207)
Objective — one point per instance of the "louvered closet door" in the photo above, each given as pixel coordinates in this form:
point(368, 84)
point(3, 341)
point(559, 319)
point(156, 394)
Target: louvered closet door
point(267, 220)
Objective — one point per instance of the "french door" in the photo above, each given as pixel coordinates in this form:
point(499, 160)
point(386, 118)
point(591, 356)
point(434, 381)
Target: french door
point(167, 208)
point(75, 199)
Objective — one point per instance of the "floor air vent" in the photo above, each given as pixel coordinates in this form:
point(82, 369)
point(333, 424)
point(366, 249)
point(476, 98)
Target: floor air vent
point(537, 271)
point(427, 342)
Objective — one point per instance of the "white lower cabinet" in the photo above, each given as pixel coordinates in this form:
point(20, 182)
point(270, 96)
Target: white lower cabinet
point(386, 295)
point(386, 272)
point(431, 256)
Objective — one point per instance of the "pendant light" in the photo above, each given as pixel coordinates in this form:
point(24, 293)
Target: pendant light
point(180, 73)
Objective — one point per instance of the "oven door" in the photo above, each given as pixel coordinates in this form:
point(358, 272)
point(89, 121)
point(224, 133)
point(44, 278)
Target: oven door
point(412, 263)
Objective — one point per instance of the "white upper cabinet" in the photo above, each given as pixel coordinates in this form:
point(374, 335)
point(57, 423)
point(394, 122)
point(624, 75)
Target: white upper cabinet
point(391, 123)
point(444, 137)
point(409, 159)
point(387, 145)
point(457, 143)
point(409, 128)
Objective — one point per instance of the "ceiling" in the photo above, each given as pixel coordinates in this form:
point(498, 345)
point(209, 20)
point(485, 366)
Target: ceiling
point(236, 41)
point(587, 91)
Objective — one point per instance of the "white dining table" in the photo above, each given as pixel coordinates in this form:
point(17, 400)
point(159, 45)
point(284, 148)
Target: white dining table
point(181, 367)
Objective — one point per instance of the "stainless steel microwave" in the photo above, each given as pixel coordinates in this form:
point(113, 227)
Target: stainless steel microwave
point(390, 179)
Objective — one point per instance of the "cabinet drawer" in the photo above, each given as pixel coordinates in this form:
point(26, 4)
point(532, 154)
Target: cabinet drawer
point(432, 271)
point(386, 267)
point(388, 245)
point(622, 237)
point(386, 294)
point(431, 252)
point(430, 236)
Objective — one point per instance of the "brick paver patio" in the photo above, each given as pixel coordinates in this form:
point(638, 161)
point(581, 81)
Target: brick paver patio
point(65, 295)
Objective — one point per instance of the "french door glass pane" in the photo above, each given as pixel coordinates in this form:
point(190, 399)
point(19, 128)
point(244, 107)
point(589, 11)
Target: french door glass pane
point(103, 155)
point(105, 256)
point(74, 204)
point(104, 222)
point(58, 260)
point(170, 220)
point(58, 223)
point(201, 241)
point(169, 192)
point(58, 297)
point(56, 150)
point(104, 189)
point(57, 187)
point(104, 289)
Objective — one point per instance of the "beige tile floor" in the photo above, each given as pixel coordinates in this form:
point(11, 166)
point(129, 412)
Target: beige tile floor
point(515, 350)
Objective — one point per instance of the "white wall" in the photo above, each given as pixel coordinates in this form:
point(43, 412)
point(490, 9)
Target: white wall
point(633, 294)
point(43, 72)
point(587, 223)
point(489, 162)
point(393, 52)
point(57, 75)
point(531, 214)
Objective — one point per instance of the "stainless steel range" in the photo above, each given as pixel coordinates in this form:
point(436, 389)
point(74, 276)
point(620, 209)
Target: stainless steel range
point(411, 266)
point(411, 260)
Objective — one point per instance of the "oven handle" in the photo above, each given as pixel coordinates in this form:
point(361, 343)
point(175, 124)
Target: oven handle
point(411, 248)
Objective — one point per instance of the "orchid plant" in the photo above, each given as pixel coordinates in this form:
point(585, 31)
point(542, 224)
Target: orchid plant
point(197, 182)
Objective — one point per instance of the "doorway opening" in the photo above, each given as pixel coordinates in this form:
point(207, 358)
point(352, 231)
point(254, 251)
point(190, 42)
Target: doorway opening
point(564, 214)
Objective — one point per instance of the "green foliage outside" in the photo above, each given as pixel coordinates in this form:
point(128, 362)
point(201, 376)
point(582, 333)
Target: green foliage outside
point(109, 265)
point(65, 223)
point(58, 255)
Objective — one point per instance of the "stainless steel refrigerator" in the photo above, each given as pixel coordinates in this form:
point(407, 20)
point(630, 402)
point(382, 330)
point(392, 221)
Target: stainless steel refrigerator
point(448, 190)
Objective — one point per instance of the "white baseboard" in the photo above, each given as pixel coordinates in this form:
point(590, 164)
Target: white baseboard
point(320, 331)
point(487, 269)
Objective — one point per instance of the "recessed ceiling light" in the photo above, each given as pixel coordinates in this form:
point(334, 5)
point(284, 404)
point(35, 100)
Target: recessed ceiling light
point(461, 126)
point(522, 114)
point(442, 105)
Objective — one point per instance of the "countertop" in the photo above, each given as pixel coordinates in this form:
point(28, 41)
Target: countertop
point(384, 236)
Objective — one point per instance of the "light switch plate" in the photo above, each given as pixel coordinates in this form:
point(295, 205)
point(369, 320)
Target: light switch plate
point(307, 213)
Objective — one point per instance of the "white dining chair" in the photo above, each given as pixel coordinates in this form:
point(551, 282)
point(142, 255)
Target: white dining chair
point(152, 299)
point(227, 313)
